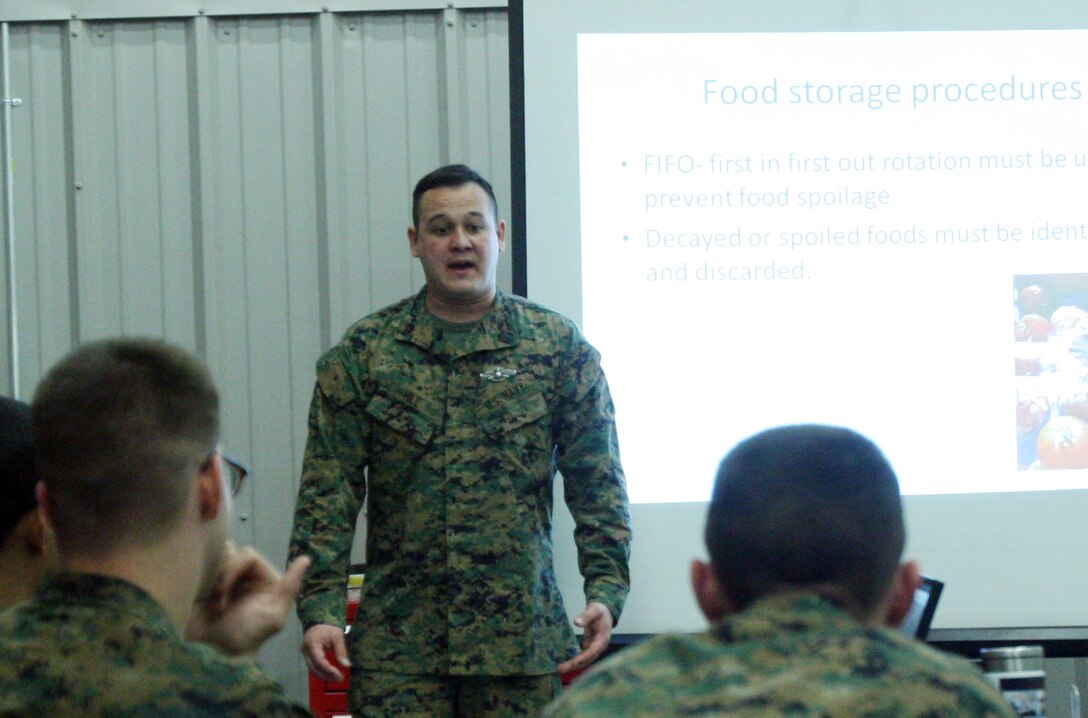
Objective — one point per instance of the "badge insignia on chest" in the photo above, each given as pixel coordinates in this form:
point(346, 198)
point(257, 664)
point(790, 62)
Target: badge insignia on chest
point(498, 374)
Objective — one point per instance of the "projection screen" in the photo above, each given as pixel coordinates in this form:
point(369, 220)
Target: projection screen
point(866, 214)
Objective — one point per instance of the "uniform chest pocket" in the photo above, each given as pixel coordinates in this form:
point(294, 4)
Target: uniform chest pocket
point(505, 407)
point(403, 418)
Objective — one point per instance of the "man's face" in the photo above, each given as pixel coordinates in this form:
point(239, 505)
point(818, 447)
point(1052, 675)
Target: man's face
point(458, 243)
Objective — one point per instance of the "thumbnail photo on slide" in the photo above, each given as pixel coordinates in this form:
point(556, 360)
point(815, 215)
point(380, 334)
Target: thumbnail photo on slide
point(1050, 325)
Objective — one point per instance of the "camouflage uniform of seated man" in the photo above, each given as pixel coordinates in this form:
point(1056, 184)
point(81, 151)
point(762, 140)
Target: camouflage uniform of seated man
point(152, 611)
point(805, 532)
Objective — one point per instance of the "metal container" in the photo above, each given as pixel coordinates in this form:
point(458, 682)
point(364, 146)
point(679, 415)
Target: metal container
point(1017, 671)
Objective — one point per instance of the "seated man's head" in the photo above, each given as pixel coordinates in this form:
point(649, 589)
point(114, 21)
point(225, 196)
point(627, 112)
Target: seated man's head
point(126, 433)
point(806, 508)
point(24, 548)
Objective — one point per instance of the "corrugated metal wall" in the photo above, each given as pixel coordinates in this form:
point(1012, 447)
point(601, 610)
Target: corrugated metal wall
point(239, 184)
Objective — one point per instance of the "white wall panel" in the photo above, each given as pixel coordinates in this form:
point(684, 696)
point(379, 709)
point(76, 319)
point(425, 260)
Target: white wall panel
point(41, 167)
point(372, 265)
point(133, 247)
point(239, 184)
point(485, 101)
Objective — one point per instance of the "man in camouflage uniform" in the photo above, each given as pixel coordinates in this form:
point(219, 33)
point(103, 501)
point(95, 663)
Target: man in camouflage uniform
point(804, 532)
point(138, 495)
point(449, 413)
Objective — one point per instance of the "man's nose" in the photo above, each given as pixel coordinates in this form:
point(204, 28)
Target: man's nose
point(459, 239)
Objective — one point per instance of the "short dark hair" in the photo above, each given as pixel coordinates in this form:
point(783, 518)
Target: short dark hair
point(806, 505)
point(17, 475)
point(120, 425)
point(451, 176)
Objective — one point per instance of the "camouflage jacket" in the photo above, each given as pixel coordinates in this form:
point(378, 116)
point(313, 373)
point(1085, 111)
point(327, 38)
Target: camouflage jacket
point(455, 453)
point(89, 645)
point(786, 655)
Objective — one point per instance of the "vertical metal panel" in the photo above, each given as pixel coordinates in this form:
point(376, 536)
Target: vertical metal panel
point(485, 100)
point(303, 256)
point(243, 189)
point(202, 194)
point(173, 183)
point(133, 231)
point(329, 164)
point(370, 265)
point(426, 126)
point(41, 201)
point(261, 251)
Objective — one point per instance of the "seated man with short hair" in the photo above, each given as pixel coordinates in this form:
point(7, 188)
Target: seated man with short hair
point(24, 553)
point(138, 494)
point(805, 532)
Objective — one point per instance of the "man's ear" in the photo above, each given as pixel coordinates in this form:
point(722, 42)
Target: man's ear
point(501, 232)
point(906, 582)
point(38, 521)
point(41, 493)
point(210, 488)
point(31, 531)
point(710, 594)
point(413, 241)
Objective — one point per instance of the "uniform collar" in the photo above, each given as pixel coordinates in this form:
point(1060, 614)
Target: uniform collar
point(785, 613)
point(498, 329)
point(105, 594)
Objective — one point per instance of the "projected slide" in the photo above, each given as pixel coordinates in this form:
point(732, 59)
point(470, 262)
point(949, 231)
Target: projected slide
point(886, 230)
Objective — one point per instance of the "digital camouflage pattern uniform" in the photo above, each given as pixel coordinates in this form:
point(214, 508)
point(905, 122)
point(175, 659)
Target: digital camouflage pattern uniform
point(458, 440)
point(89, 645)
point(796, 655)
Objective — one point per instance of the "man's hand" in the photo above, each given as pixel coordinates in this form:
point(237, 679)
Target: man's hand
point(316, 642)
point(596, 621)
point(247, 605)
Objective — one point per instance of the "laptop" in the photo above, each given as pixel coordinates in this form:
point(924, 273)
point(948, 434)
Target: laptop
point(921, 611)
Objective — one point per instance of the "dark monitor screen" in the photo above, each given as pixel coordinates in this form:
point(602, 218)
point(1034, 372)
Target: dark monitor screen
point(925, 605)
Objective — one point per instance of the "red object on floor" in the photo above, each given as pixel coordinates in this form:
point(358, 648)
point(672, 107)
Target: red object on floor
point(568, 677)
point(330, 698)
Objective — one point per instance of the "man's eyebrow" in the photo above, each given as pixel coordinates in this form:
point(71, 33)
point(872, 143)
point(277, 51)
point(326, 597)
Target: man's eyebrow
point(445, 216)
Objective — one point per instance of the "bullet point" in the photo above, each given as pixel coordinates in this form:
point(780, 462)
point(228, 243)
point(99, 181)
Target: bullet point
point(623, 164)
point(625, 238)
